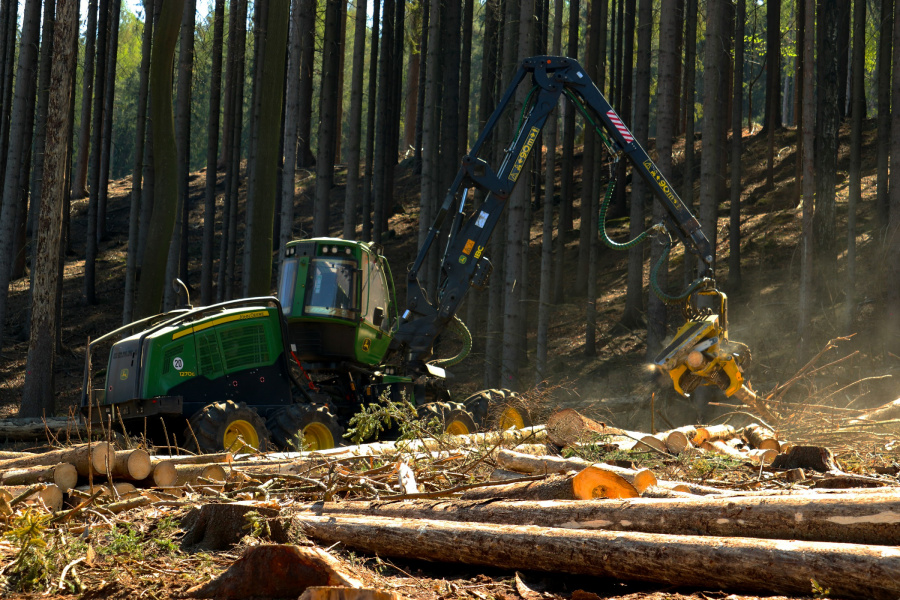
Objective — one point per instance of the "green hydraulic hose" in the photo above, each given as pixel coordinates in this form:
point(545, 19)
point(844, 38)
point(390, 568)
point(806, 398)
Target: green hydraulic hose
point(458, 327)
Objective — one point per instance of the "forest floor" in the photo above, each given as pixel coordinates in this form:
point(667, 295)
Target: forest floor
point(763, 315)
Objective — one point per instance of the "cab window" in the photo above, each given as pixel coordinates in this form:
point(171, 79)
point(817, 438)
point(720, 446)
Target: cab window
point(331, 288)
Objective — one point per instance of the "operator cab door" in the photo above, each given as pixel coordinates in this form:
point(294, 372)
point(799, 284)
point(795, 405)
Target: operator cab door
point(377, 312)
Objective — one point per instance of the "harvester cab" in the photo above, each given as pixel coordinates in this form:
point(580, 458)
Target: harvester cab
point(338, 300)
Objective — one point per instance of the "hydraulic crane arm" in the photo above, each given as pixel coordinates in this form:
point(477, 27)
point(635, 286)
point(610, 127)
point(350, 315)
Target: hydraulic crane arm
point(463, 264)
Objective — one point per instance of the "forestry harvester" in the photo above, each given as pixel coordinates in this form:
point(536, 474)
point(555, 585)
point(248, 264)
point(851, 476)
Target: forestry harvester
point(293, 369)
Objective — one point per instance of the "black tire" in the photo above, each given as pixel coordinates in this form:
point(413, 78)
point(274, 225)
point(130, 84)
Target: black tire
point(217, 426)
point(299, 425)
point(453, 417)
point(498, 409)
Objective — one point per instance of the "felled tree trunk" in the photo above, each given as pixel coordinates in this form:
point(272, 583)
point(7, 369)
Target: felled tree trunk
point(64, 475)
point(781, 566)
point(34, 428)
point(99, 455)
point(641, 479)
point(851, 518)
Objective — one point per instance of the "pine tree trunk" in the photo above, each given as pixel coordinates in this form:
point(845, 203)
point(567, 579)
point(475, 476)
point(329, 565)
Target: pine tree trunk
point(430, 180)
point(136, 171)
point(351, 201)
point(80, 172)
point(420, 60)
point(842, 47)
point(893, 250)
point(857, 116)
point(269, 150)
point(382, 131)
point(827, 129)
point(8, 18)
point(690, 60)
point(367, 189)
point(634, 287)
point(305, 157)
point(883, 143)
point(327, 114)
point(545, 294)
point(734, 228)
point(91, 249)
point(809, 186)
point(110, 94)
point(40, 123)
point(342, 50)
point(183, 141)
point(566, 176)
point(667, 105)
point(165, 185)
point(25, 74)
point(212, 149)
point(38, 393)
point(291, 119)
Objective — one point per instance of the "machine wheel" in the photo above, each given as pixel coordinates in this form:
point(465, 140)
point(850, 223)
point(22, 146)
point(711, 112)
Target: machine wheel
point(498, 409)
point(221, 427)
point(453, 416)
point(305, 427)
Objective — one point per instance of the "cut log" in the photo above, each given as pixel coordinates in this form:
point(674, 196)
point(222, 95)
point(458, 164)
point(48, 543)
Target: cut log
point(722, 448)
point(276, 571)
point(123, 488)
point(816, 458)
point(567, 426)
point(763, 456)
point(651, 442)
point(6, 455)
point(641, 479)
point(847, 570)
point(504, 475)
point(132, 464)
point(888, 411)
point(761, 437)
point(347, 593)
point(214, 527)
point(99, 455)
point(190, 459)
point(713, 433)
point(64, 475)
point(661, 492)
point(858, 519)
point(678, 440)
point(554, 487)
point(693, 488)
point(167, 474)
point(62, 428)
point(51, 496)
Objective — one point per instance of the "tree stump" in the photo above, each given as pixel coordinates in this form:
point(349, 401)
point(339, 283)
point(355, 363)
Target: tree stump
point(221, 526)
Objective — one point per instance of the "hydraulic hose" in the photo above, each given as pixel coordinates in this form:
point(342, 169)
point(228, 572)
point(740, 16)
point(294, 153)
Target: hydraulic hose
point(459, 328)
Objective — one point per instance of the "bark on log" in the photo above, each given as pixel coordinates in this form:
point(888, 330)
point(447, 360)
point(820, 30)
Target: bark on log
point(677, 440)
point(6, 455)
point(99, 455)
point(64, 475)
point(719, 447)
point(858, 519)
point(199, 459)
point(167, 474)
point(713, 433)
point(347, 593)
point(567, 426)
point(641, 479)
point(276, 571)
point(891, 410)
point(847, 570)
point(761, 437)
point(32, 428)
point(557, 487)
point(51, 495)
point(816, 458)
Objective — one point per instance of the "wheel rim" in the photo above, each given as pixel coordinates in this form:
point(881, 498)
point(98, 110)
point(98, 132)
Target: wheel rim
point(240, 433)
point(510, 417)
point(317, 436)
point(457, 428)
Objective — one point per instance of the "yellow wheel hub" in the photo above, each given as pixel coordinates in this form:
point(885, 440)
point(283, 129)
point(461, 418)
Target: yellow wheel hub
point(457, 428)
point(510, 417)
point(317, 436)
point(240, 433)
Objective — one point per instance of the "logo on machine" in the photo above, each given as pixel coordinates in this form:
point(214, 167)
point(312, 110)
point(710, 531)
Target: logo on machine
point(523, 154)
point(367, 343)
point(123, 374)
